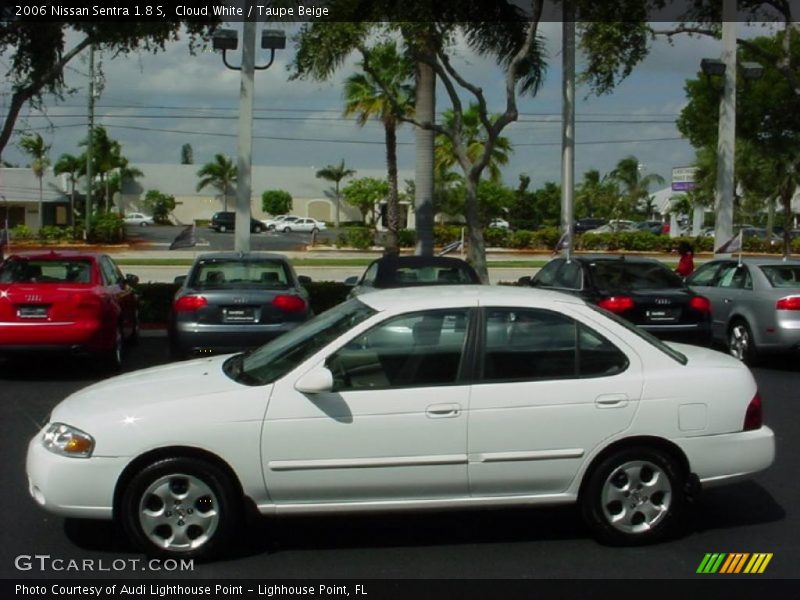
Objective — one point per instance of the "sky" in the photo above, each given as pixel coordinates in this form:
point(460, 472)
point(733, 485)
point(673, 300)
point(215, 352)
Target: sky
point(154, 104)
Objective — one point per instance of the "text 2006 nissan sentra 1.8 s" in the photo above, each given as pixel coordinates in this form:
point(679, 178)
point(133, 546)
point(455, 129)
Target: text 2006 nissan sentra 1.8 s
point(459, 396)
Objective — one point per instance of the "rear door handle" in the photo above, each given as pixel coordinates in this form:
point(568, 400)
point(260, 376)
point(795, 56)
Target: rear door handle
point(443, 411)
point(611, 401)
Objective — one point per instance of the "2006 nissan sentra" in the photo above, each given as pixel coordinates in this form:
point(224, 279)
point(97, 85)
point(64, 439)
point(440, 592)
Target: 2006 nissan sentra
point(422, 398)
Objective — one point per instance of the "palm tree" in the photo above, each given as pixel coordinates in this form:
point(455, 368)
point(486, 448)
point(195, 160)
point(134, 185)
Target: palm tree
point(106, 156)
point(628, 174)
point(383, 92)
point(336, 173)
point(471, 130)
point(123, 174)
point(34, 146)
point(221, 173)
point(71, 166)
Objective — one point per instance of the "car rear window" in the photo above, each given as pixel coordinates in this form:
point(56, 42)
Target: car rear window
point(221, 274)
point(430, 275)
point(46, 271)
point(782, 276)
point(620, 275)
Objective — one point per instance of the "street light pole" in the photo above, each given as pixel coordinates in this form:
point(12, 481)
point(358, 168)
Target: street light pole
point(245, 161)
point(568, 128)
point(724, 192)
point(89, 145)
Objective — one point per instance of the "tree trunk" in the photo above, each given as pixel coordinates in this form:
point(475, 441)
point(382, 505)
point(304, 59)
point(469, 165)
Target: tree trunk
point(338, 204)
point(476, 251)
point(423, 195)
point(786, 198)
point(392, 209)
point(41, 205)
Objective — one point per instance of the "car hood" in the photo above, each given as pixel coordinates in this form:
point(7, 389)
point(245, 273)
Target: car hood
point(147, 387)
point(699, 356)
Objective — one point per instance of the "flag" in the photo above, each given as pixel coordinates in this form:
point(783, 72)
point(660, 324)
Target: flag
point(185, 239)
point(450, 248)
point(562, 243)
point(732, 245)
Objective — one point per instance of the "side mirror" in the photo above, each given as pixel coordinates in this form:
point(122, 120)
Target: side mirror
point(304, 279)
point(526, 280)
point(131, 280)
point(180, 279)
point(316, 381)
point(351, 281)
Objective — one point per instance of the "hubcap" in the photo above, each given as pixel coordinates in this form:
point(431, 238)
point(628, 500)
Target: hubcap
point(636, 496)
point(739, 342)
point(179, 512)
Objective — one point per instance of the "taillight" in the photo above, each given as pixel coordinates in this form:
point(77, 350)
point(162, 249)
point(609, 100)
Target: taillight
point(616, 303)
point(701, 304)
point(88, 303)
point(189, 303)
point(753, 416)
point(788, 303)
point(289, 303)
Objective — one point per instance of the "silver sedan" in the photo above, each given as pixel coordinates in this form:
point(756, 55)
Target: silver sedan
point(755, 304)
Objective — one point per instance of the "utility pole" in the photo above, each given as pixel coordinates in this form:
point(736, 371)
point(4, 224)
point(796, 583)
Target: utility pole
point(568, 127)
point(89, 174)
point(245, 161)
point(723, 195)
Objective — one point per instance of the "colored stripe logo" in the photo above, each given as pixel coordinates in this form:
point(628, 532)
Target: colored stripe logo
point(734, 563)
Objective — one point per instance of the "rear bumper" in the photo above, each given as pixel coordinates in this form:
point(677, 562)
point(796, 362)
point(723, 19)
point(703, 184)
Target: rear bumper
point(76, 337)
point(192, 338)
point(698, 334)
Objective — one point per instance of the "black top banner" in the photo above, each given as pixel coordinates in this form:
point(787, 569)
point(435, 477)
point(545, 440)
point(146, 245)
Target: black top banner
point(277, 11)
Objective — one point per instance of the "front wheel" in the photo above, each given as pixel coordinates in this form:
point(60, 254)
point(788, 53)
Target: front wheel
point(635, 496)
point(181, 507)
point(257, 229)
point(222, 229)
point(287, 230)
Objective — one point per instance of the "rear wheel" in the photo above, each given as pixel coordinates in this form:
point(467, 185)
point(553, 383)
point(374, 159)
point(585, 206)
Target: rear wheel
point(113, 357)
point(635, 496)
point(257, 229)
point(181, 507)
point(741, 344)
point(222, 229)
point(287, 230)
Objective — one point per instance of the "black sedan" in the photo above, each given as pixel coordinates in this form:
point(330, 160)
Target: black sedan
point(234, 301)
point(641, 290)
point(412, 271)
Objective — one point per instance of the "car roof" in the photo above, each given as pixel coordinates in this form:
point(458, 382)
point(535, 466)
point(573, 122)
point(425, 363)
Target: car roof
point(241, 256)
point(621, 259)
point(759, 260)
point(55, 254)
point(421, 261)
point(463, 295)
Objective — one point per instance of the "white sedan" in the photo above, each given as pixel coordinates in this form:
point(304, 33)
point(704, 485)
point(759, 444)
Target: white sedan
point(450, 397)
point(140, 219)
point(302, 225)
point(274, 223)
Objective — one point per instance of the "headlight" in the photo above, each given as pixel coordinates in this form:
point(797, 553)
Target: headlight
point(67, 441)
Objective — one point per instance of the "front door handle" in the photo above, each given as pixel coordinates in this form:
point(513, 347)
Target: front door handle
point(443, 411)
point(611, 401)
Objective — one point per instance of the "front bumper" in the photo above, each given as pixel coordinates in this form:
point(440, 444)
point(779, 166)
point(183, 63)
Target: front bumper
point(730, 457)
point(72, 487)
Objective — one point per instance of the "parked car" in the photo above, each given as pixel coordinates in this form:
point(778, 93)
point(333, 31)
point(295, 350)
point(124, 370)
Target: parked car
point(642, 290)
point(140, 219)
point(755, 304)
point(226, 221)
point(429, 398)
point(614, 226)
point(303, 225)
point(499, 224)
point(410, 271)
point(275, 222)
point(655, 227)
point(70, 302)
point(232, 301)
point(588, 223)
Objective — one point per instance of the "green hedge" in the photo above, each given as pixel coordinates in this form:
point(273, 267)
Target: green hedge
point(155, 299)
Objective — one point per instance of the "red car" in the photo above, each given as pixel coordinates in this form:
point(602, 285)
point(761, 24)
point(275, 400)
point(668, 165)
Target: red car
point(74, 302)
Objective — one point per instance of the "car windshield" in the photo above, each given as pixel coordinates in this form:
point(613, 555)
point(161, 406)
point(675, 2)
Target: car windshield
point(620, 275)
point(21, 270)
point(284, 353)
point(429, 275)
point(782, 276)
point(228, 274)
point(645, 335)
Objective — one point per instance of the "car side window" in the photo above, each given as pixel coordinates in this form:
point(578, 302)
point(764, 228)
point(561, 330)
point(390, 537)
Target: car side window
point(536, 345)
point(413, 350)
point(108, 271)
point(547, 274)
point(735, 277)
point(569, 276)
point(370, 275)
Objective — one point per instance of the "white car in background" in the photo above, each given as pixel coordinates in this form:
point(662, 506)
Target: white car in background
point(306, 225)
point(409, 399)
point(272, 224)
point(140, 219)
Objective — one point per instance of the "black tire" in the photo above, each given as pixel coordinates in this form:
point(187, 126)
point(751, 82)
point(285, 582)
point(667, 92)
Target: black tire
point(153, 516)
point(256, 229)
point(287, 230)
point(134, 337)
point(315, 231)
point(112, 359)
point(740, 342)
point(142, 224)
point(634, 496)
point(222, 229)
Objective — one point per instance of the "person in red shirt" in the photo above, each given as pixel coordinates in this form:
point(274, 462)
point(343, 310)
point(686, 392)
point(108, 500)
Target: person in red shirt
point(686, 262)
